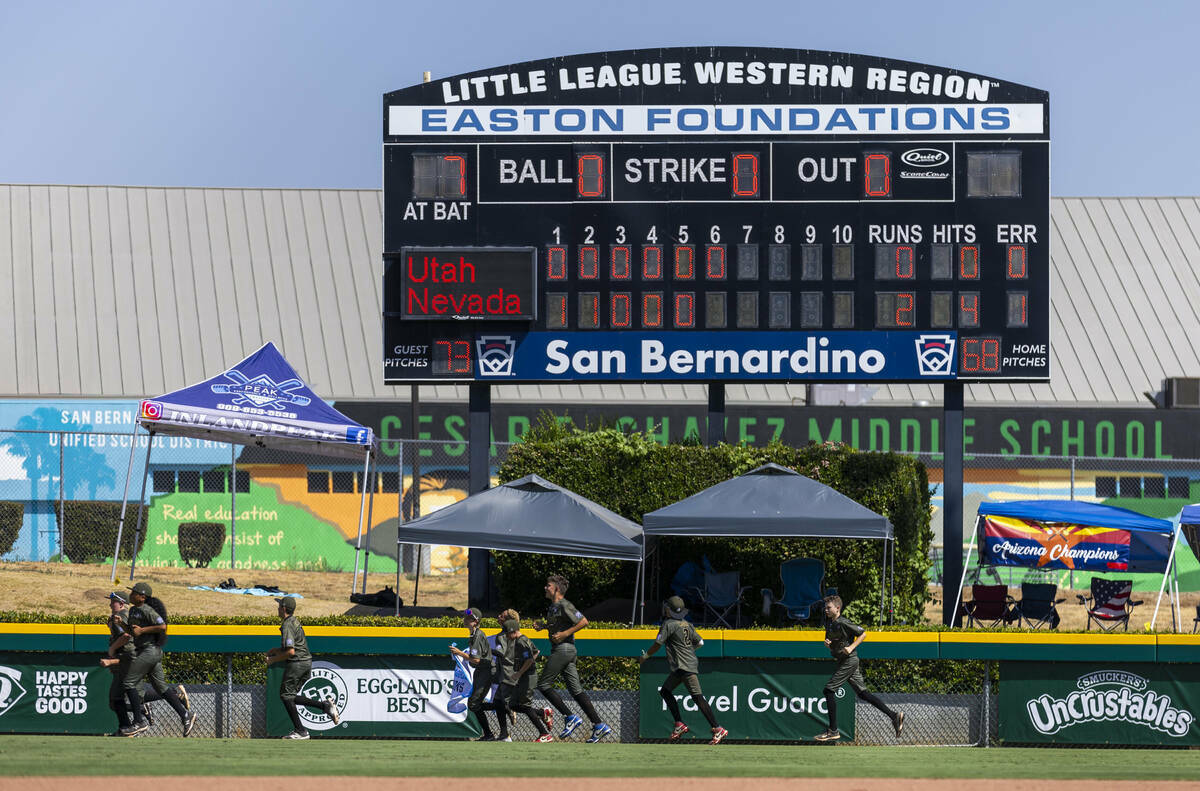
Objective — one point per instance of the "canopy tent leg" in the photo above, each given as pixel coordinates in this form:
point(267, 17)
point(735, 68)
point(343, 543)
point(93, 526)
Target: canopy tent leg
point(137, 527)
point(882, 584)
point(892, 584)
point(637, 585)
point(1163, 586)
point(1178, 611)
point(232, 506)
point(399, 516)
point(124, 500)
point(362, 507)
point(371, 483)
point(966, 564)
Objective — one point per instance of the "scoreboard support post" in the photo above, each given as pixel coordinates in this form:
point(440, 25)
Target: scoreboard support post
point(716, 414)
point(479, 572)
point(952, 499)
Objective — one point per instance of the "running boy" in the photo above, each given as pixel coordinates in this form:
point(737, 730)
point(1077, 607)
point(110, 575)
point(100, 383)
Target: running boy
point(146, 628)
point(681, 639)
point(517, 679)
point(842, 638)
point(293, 650)
point(563, 620)
point(479, 656)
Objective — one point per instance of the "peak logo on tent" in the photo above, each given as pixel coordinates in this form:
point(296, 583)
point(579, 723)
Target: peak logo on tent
point(262, 391)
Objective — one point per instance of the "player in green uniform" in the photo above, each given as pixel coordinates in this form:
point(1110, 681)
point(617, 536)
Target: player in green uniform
point(117, 661)
point(293, 649)
point(518, 677)
point(563, 620)
point(842, 638)
point(681, 639)
point(479, 656)
point(147, 630)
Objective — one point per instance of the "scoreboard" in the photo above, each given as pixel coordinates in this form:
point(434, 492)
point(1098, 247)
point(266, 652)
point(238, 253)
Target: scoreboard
point(716, 214)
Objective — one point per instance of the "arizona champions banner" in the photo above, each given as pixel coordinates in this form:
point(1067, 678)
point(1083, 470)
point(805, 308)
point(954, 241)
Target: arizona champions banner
point(54, 693)
point(760, 699)
point(1072, 703)
point(379, 696)
point(1012, 541)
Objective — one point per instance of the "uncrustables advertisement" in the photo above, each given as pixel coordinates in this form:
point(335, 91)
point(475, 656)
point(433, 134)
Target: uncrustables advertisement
point(54, 693)
point(378, 696)
point(754, 699)
point(1135, 704)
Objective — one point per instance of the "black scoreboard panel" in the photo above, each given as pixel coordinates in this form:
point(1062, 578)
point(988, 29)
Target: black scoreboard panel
point(716, 220)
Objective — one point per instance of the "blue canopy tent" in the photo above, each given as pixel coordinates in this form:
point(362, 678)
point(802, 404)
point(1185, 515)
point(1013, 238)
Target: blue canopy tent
point(260, 401)
point(1072, 534)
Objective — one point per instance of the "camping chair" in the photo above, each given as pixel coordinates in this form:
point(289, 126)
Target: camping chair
point(1037, 606)
point(1196, 620)
point(803, 588)
point(989, 606)
point(722, 593)
point(1109, 604)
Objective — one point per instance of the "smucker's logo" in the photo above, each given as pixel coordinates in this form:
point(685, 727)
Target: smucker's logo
point(1110, 696)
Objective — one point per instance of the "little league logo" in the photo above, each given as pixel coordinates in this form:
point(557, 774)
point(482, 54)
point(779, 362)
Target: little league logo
point(262, 391)
point(325, 684)
point(495, 355)
point(935, 355)
point(10, 688)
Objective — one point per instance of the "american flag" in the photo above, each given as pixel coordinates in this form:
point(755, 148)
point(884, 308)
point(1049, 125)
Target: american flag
point(1109, 598)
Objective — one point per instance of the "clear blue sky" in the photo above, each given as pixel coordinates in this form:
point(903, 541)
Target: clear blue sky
point(245, 93)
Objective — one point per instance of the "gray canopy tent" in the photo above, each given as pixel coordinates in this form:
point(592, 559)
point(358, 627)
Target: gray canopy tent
point(774, 502)
point(529, 515)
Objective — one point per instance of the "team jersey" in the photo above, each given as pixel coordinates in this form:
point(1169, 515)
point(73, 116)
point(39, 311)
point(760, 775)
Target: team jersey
point(680, 639)
point(516, 653)
point(561, 616)
point(117, 623)
point(292, 635)
point(841, 633)
point(144, 615)
point(480, 648)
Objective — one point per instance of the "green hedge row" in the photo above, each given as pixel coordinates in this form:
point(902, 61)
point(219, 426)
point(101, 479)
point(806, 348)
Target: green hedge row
point(631, 474)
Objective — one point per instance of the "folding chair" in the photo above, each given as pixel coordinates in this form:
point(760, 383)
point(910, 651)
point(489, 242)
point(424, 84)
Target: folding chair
point(1109, 606)
point(721, 594)
point(1037, 606)
point(803, 588)
point(989, 606)
point(1196, 620)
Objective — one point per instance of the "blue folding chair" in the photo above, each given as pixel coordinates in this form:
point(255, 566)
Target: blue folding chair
point(803, 589)
point(721, 594)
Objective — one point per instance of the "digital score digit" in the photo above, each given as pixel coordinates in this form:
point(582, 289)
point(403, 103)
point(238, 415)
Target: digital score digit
point(709, 214)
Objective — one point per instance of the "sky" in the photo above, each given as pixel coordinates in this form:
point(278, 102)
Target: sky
point(257, 93)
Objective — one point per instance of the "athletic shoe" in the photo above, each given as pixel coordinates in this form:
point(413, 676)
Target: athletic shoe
point(828, 736)
point(147, 714)
point(505, 739)
point(545, 737)
point(299, 735)
point(136, 729)
point(548, 718)
point(719, 733)
point(599, 731)
point(677, 731)
point(189, 722)
point(569, 725)
point(183, 696)
point(487, 737)
point(331, 710)
point(898, 723)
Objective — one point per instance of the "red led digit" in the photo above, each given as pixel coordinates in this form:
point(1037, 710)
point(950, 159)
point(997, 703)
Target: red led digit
point(970, 355)
point(878, 175)
point(589, 263)
point(905, 266)
point(556, 311)
point(620, 310)
point(904, 310)
point(620, 263)
point(991, 355)
point(968, 262)
point(460, 164)
point(968, 310)
point(590, 169)
point(556, 263)
point(1016, 262)
point(685, 310)
point(745, 175)
point(652, 263)
point(714, 262)
point(685, 262)
point(441, 348)
point(460, 357)
point(652, 310)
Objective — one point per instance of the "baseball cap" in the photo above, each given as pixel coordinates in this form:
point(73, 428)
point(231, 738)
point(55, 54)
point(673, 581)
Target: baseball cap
point(512, 625)
point(472, 613)
point(142, 588)
point(119, 597)
point(675, 607)
point(288, 602)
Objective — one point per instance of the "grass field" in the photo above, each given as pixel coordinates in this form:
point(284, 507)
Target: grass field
point(99, 756)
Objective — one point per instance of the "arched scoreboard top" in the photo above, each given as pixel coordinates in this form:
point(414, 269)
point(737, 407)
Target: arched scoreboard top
point(716, 214)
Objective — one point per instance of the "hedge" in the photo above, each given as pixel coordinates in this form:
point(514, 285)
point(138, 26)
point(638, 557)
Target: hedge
point(631, 474)
point(12, 515)
point(200, 542)
point(91, 530)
